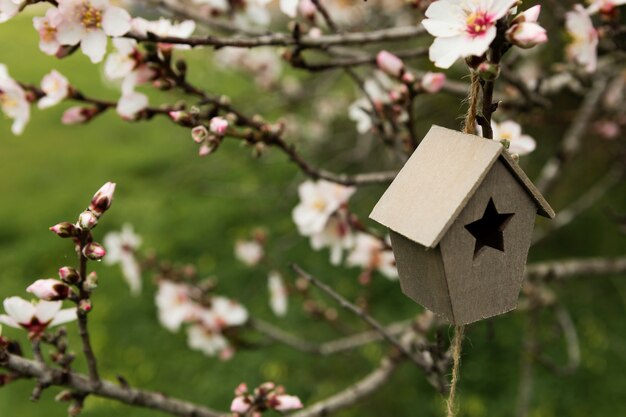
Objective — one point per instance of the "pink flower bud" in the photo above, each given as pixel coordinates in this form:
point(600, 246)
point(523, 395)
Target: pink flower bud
point(218, 125)
point(87, 220)
point(526, 35)
point(179, 116)
point(287, 402)
point(85, 305)
point(199, 134)
point(432, 82)
point(64, 229)
point(77, 115)
point(390, 64)
point(91, 283)
point(530, 15)
point(49, 289)
point(103, 198)
point(240, 405)
point(241, 389)
point(69, 275)
point(307, 9)
point(94, 251)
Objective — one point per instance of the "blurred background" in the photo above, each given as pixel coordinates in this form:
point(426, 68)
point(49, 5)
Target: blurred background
point(192, 210)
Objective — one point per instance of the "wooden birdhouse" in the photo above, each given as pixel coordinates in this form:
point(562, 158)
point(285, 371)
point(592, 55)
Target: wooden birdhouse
point(461, 213)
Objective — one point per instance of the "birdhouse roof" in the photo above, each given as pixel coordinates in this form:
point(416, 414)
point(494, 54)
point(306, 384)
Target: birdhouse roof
point(439, 179)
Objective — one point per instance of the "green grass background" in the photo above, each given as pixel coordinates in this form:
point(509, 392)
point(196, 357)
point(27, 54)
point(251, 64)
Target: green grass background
point(192, 210)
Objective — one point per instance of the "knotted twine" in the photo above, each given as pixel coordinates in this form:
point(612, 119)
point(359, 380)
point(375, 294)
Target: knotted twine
point(457, 342)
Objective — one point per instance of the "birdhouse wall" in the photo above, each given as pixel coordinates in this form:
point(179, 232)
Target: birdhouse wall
point(422, 276)
point(487, 283)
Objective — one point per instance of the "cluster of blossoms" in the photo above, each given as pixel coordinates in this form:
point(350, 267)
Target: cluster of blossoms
point(36, 317)
point(207, 321)
point(389, 90)
point(209, 138)
point(265, 397)
point(323, 216)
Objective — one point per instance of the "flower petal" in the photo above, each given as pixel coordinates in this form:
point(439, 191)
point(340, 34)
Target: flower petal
point(94, 45)
point(116, 21)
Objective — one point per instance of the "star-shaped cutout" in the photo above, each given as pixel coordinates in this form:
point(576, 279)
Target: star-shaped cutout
point(488, 230)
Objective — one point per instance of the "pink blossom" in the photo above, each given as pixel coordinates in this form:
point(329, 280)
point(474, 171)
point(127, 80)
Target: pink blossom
point(47, 28)
point(126, 63)
point(390, 64)
point(199, 134)
point(604, 6)
point(76, 115)
point(218, 125)
point(102, 199)
point(525, 32)
point(432, 82)
point(49, 289)
point(89, 22)
point(56, 87)
point(64, 229)
point(35, 317)
point(308, 9)
point(68, 274)
point(584, 38)
point(240, 405)
point(287, 402)
point(463, 28)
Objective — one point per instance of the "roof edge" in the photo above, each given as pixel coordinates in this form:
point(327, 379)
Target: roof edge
point(543, 207)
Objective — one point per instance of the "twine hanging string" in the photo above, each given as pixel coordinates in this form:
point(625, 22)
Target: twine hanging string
point(457, 342)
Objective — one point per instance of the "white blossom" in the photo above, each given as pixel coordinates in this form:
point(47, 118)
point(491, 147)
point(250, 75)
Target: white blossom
point(13, 101)
point(511, 131)
point(205, 340)
point(278, 293)
point(463, 28)
point(584, 38)
point(175, 305)
point(47, 28)
point(164, 28)
point(318, 201)
point(336, 235)
point(35, 317)
point(89, 22)
point(9, 9)
point(121, 248)
point(56, 87)
point(369, 253)
point(250, 252)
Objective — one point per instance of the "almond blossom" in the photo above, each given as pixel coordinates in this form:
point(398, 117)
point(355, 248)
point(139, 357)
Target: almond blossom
point(222, 313)
point(35, 317)
point(56, 87)
point(9, 9)
point(265, 396)
point(250, 252)
point(49, 289)
point(131, 104)
point(463, 28)
point(205, 340)
point(525, 32)
point(583, 46)
point(433, 82)
point(121, 247)
point(47, 28)
point(89, 22)
point(390, 64)
point(163, 28)
point(289, 7)
point(604, 6)
point(336, 235)
point(13, 101)
point(278, 293)
point(512, 132)
point(174, 304)
point(370, 254)
point(125, 61)
point(318, 201)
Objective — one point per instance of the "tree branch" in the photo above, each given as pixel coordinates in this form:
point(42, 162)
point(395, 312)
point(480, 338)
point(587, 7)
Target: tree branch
point(562, 270)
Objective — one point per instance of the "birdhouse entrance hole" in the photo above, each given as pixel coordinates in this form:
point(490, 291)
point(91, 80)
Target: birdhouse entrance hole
point(489, 230)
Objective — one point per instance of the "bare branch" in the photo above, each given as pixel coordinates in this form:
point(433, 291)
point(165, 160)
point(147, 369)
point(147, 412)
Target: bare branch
point(26, 368)
point(561, 270)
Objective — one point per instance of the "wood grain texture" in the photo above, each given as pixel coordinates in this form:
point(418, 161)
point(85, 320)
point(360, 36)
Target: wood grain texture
point(489, 284)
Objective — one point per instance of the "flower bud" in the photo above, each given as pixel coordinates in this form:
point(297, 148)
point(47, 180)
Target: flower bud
point(49, 289)
point(179, 116)
point(64, 229)
point(69, 275)
point(91, 283)
point(529, 15)
point(432, 82)
point(488, 71)
point(78, 115)
point(94, 251)
point(199, 134)
point(390, 64)
point(87, 220)
point(102, 200)
point(218, 125)
point(526, 35)
point(85, 306)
